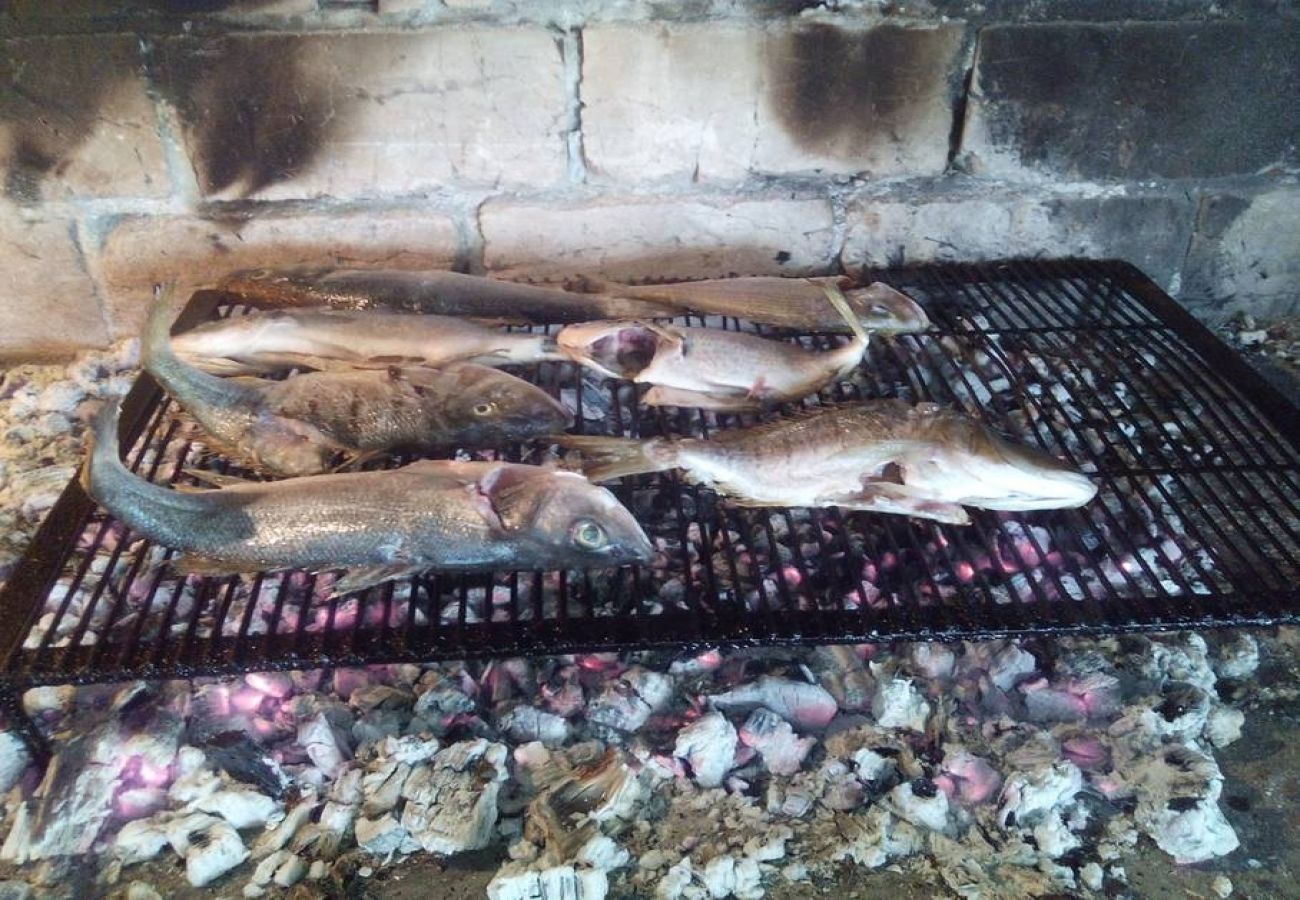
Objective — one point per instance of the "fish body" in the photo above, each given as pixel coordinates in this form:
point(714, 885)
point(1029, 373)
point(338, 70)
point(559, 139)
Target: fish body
point(433, 514)
point(710, 368)
point(295, 427)
point(883, 456)
point(324, 338)
point(436, 292)
point(797, 303)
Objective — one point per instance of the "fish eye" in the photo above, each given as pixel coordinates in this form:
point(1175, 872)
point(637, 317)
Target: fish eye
point(588, 535)
point(484, 408)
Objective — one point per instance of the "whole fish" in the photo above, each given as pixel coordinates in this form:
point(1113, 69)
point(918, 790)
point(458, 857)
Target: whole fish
point(784, 302)
point(433, 514)
point(271, 341)
point(796, 303)
point(710, 368)
point(294, 427)
point(880, 456)
point(436, 292)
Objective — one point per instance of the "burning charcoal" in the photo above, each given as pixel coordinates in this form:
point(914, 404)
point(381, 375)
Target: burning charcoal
point(973, 779)
point(139, 840)
point(626, 703)
point(1010, 665)
point(13, 760)
point(527, 723)
point(931, 660)
point(212, 852)
point(709, 746)
point(451, 803)
point(1177, 788)
point(277, 837)
point(1028, 796)
point(241, 807)
point(802, 704)
point(274, 684)
point(384, 836)
point(845, 676)
point(723, 876)
point(920, 803)
point(516, 881)
point(898, 704)
point(774, 739)
point(323, 745)
point(382, 786)
point(1087, 752)
point(1223, 726)
point(1237, 657)
point(871, 766)
point(1071, 700)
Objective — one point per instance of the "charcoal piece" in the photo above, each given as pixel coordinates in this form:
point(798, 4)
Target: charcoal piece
point(234, 753)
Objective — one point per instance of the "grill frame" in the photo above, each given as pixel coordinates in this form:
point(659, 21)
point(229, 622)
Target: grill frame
point(1132, 309)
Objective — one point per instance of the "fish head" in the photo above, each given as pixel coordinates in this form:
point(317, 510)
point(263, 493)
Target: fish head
point(564, 519)
point(884, 310)
point(991, 472)
point(618, 349)
point(491, 407)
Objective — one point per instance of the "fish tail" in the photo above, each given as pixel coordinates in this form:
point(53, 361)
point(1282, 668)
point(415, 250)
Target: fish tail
point(158, 513)
point(604, 458)
point(200, 393)
point(841, 304)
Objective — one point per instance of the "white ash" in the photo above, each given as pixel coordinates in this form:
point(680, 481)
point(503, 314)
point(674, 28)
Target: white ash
point(709, 745)
point(898, 704)
point(782, 752)
point(799, 703)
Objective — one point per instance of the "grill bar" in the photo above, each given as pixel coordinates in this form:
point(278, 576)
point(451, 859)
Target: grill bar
point(1197, 523)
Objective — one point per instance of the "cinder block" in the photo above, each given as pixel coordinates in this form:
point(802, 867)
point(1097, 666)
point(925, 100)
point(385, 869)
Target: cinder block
point(1150, 232)
point(48, 305)
point(722, 101)
point(661, 238)
point(360, 115)
point(138, 252)
point(1134, 100)
point(75, 120)
point(1244, 255)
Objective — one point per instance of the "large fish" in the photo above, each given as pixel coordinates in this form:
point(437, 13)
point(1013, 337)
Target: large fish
point(797, 303)
point(435, 292)
point(271, 341)
point(295, 427)
point(881, 456)
point(433, 514)
point(710, 368)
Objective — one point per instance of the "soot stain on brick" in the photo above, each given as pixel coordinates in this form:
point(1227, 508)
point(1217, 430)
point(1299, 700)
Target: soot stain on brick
point(51, 91)
point(835, 90)
point(253, 115)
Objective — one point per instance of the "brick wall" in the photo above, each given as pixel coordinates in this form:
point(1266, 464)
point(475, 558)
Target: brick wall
point(144, 140)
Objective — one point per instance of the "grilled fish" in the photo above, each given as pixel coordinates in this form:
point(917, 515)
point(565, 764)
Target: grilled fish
point(433, 514)
point(796, 303)
point(785, 302)
point(880, 456)
point(294, 427)
point(436, 292)
point(710, 368)
point(324, 339)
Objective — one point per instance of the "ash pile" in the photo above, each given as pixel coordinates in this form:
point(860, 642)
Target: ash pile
point(998, 769)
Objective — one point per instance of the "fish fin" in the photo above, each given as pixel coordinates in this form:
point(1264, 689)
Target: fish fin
point(199, 564)
point(887, 497)
point(367, 577)
point(354, 458)
point(841, 304)
point(729, 401)
point(217, 479)
point(606, 457)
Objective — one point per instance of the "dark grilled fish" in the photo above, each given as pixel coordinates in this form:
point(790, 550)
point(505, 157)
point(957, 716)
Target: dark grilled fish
point(434, 514)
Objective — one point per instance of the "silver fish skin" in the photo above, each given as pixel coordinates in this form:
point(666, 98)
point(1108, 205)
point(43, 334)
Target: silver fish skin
point(272, 341)
point(295, 427)
point(710, 368)
point(882, 456)
point(434, 514)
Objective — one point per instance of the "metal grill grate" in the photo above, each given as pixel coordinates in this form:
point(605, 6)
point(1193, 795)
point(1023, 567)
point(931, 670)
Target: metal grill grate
point(1196, 524)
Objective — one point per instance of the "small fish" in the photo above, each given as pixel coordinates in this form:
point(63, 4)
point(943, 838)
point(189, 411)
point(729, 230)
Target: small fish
point(294, 427)
point(436, 292)
point(272, 341)
point(795, 303)
point(710, 368)
point(880, 456)
point(433, 514)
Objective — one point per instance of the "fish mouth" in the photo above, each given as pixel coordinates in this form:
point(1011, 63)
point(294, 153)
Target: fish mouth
point(621, 350)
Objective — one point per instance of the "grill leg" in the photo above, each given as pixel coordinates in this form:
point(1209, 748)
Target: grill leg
point(11, 704)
